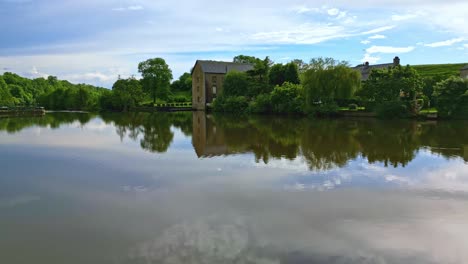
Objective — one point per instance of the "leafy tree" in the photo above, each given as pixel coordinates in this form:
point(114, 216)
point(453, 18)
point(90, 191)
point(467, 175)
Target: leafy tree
point(393, 84)
point(184, 83)
point(235, 84)
point(128, 93)
point(287, 98)
point(245, 59)
point(6, 99)
point(284, 73)
point(452, 97)
point(291, 73)
point(156, 77)
point(327, 80)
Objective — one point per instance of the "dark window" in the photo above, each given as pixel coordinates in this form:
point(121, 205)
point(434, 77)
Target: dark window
point(214, 79)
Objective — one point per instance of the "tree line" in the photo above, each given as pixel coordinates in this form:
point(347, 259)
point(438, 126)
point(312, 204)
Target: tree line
point(324, 86)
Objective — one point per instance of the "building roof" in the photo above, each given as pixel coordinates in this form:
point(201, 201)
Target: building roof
point(223, 67)
point(465, 67)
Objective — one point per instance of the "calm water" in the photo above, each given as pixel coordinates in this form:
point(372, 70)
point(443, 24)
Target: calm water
point(190, 188)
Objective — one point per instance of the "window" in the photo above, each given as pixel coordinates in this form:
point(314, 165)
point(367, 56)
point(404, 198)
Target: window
point(198, 89)
point(214, 79)
point(214, 90)
point(198, 99)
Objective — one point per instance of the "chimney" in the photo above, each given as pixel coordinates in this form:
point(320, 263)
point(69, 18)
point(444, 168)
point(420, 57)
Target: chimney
point(396, 61)
point(366, 64)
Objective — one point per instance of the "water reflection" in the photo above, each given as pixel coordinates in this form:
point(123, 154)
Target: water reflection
point(195, 188)
point(323, 144)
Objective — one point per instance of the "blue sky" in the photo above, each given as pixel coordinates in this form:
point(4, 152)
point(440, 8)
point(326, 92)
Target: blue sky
point(95, 41)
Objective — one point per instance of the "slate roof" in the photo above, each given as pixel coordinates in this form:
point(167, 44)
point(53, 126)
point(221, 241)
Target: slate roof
point(223, 67)
point(366, 69)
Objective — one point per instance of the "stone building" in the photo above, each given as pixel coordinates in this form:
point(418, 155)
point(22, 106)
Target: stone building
point(365, 69)
point(208, 79)
point(464, 72)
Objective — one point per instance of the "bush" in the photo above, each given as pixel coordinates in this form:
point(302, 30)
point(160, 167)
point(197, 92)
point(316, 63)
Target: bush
point(325, 109)
point(232, 104)
point(287, 99)
point(235, 84)
point(261, 104)
point(392, 109)
point(180, 99)
point(450, 96)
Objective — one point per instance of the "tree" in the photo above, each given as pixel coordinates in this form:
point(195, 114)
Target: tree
point(328, 80)
point(6, 99)
point(245, 59)
point(184, 83)
point(128, 93)
point(394, 84)
point(156, 77)
point(280, 73)
point(235, 84)
point(452, 97)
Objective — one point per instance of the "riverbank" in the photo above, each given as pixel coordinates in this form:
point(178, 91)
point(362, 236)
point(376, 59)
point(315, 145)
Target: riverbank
point(12, 112)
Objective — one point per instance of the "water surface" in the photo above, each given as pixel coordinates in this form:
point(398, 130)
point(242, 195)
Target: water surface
point(192, 188)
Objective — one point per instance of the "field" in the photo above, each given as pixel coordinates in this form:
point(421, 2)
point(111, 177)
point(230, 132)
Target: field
point(442, 70)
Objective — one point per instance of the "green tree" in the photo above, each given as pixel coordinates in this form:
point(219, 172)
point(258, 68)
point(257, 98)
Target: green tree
point(452, 97)
point(394, 84)
point(156, 77)
point(6, 99)
point(184, 83)
point(291, 73)
point(128, 93)
point(287, 98)
point(245, 59)
point(328, 80)
point(235, 84)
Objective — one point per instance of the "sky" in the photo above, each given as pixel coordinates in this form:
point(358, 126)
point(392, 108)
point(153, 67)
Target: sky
point(89, 41)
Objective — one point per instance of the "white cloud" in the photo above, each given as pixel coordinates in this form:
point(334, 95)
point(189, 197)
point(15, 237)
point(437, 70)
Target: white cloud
point(128, 8)
point(365, 42)
point(389, 49)
point(333, 11)
point(378, 30)
point(377, 37)
point(371, 59)
point(404, 17)
point(445, 43)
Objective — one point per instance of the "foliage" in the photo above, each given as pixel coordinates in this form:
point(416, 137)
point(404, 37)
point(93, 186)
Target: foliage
point(328, 80)
point(245, 59)
point(392, 109)
point(231, 104)
point(353, 107)
point(235, 84)
point(184, 83)
point(50, 93)
point(156, 77)
point(6, 99)
point(261, 104)
point(127, 93)
point(451, 97)
point(325, 109)
point(287, 98)
point(280, 74)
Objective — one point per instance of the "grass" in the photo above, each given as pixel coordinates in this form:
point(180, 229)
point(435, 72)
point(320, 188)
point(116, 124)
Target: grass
point(444, 70)
point(428, 111)
point(347, 109)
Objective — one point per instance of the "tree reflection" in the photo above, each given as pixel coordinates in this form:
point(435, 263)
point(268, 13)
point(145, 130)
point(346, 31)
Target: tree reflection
point(326, 144)
point(323, 144)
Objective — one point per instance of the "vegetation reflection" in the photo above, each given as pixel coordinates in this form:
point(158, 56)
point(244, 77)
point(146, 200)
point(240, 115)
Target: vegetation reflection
point(323, 144)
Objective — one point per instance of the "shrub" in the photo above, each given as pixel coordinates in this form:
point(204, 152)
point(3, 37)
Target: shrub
point(180, 99)
point(325, 109)
point(232, 104)
point(235, 84)
point(261, 104)
point(287, 99)
point(450, 96)
point(392, 109)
